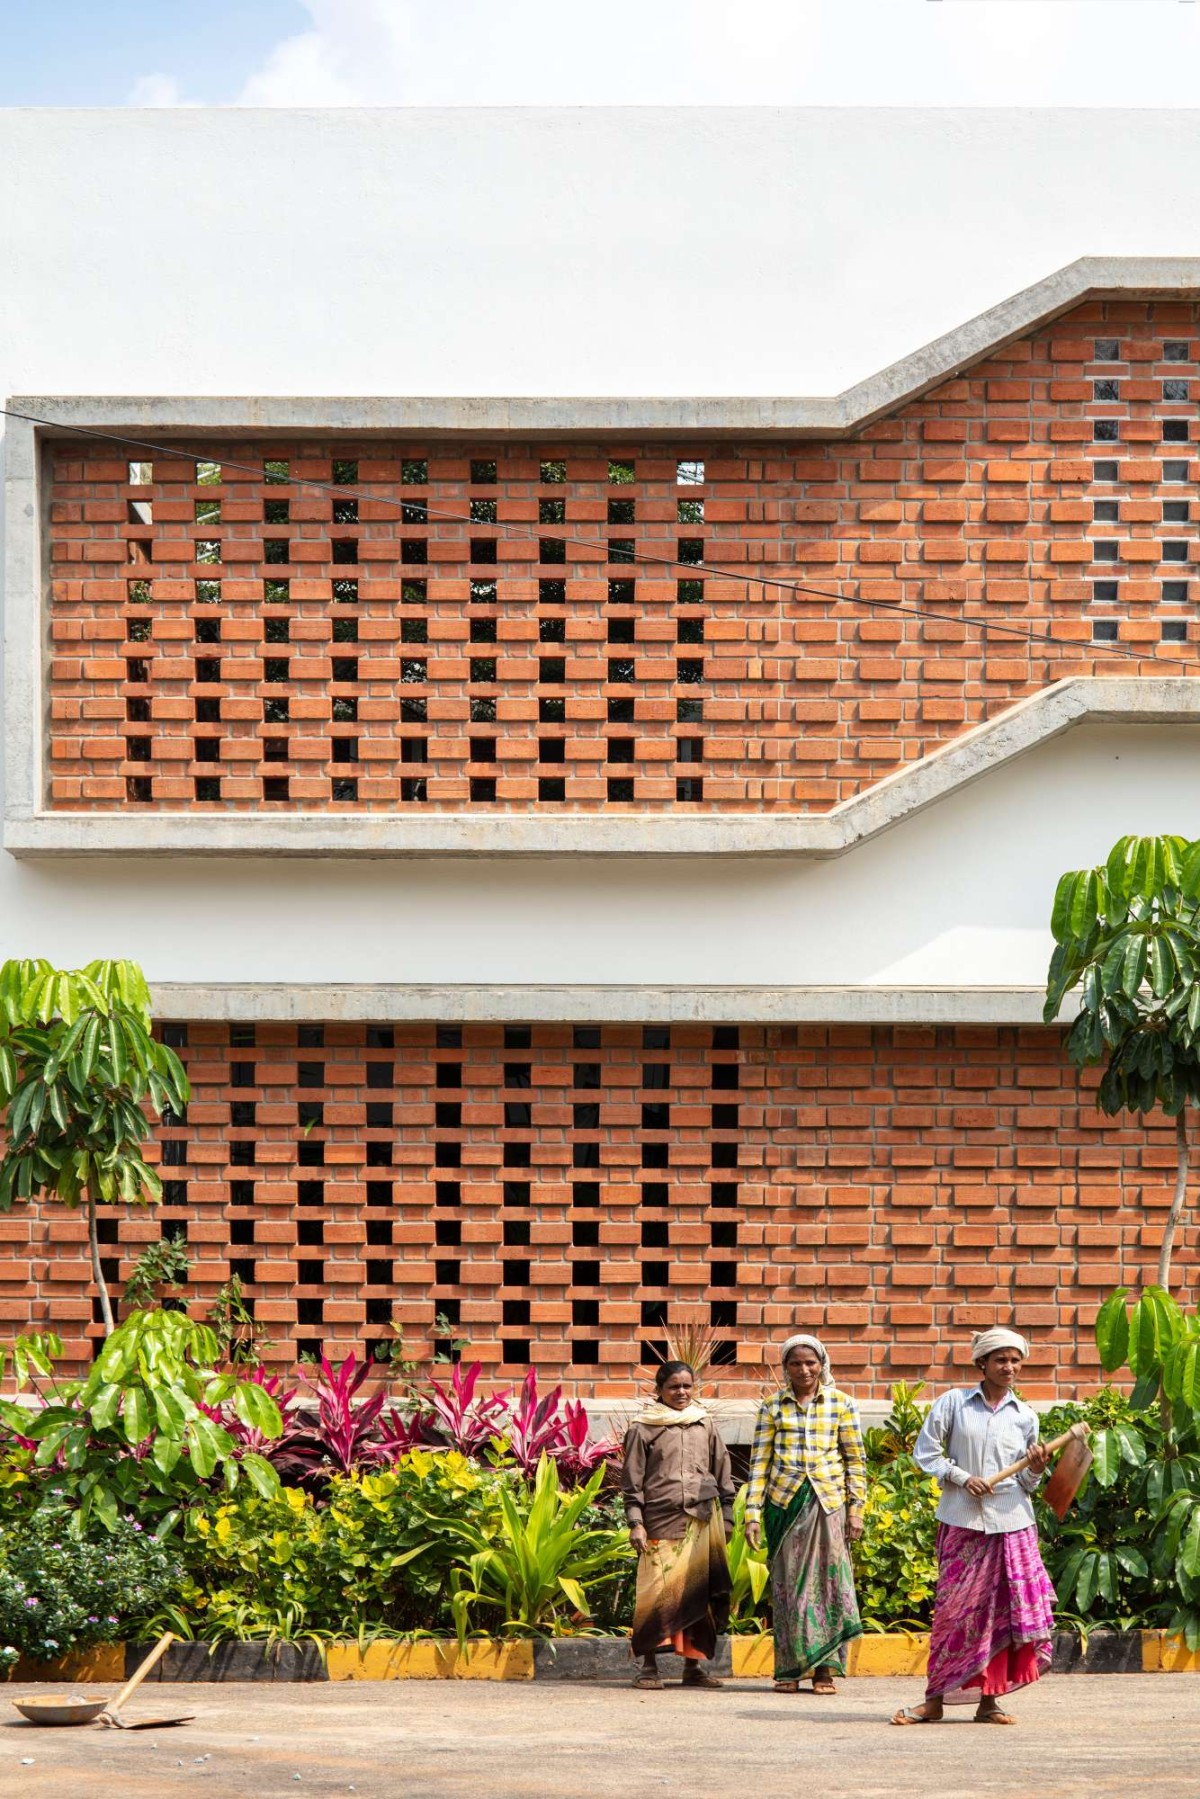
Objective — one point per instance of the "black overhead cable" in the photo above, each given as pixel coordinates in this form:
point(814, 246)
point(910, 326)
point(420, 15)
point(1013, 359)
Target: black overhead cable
point(692, 570)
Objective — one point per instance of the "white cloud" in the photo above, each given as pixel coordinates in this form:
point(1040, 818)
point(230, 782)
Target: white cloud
point(305, 70)
point(156, 90)
point(1095, 53)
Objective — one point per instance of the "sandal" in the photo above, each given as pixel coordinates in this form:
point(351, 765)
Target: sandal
point(907, 1716)
point(649, 1683)
point(995, 1716)
point(787, 1686)
point(700, 1678)
point(824, 1686)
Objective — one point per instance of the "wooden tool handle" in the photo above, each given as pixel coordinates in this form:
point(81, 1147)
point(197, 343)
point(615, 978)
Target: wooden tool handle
point(1076, 1430)
point(143, 1668)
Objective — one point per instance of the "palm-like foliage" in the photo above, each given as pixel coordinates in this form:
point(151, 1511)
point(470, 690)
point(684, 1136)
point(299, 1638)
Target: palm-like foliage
point(1127, 938)
point(749, 1572)
point(1157, 1451)
point(152, 1419)
point(80, 1075)
point(539, 1563)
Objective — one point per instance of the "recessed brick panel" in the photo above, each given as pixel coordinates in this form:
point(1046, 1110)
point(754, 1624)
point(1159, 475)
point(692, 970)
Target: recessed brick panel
point(563, 1194)
point(460, 626)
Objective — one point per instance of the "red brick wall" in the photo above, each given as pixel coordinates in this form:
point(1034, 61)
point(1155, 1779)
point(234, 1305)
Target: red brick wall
point(976, 500)
point(890, 1188)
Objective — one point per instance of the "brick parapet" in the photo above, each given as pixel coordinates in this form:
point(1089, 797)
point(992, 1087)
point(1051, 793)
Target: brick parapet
point(426, 690)
point(564, 1196)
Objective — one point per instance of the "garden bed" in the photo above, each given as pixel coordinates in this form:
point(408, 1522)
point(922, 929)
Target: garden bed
point(879, 1654)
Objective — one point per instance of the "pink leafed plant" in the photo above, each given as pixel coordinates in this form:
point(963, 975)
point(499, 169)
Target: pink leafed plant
point(536, 1427)
point(555, 1427)
point(344, 1431)
point(464, 1422)
point(397, 1434)
point(578, 1458)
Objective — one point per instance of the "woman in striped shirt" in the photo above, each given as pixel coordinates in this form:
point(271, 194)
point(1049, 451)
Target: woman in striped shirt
point(993, 1618)
point(806, 1490)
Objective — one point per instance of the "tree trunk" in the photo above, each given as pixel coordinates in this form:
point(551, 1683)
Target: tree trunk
point(1173, 1216)
point(97, 1271)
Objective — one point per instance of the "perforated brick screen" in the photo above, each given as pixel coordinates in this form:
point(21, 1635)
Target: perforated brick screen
point(562, 1195)
point(511, 625)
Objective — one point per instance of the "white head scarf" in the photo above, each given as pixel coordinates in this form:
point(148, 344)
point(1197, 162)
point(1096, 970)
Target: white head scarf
point(986, 1343)
point(813, 1343)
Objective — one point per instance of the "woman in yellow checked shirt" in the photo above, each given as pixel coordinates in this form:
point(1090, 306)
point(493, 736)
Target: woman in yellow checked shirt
point(806, 1491)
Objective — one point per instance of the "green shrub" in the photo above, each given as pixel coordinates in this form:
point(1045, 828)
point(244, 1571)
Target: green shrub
point(60, 1592)
point(534, 1573)
point(386, 1554)
point(895, 1560)
point(1098, 1555)
point(153, 1422)
point(374, 1556)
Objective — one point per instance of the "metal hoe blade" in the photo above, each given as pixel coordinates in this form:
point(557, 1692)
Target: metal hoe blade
point(118, 1723)
point(112, 1714)
point(1064, 1483)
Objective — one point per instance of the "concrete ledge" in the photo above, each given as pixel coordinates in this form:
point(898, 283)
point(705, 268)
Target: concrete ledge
point(875, 1655)
point(31, 831)
point(451, 1003)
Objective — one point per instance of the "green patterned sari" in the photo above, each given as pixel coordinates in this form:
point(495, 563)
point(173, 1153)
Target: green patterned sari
point(812, 1586)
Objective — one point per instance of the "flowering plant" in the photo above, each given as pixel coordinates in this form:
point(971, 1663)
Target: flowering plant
point(60, 1592)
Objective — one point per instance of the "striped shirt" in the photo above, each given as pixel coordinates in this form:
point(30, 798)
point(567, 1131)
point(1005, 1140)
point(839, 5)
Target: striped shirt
point(821, 1442)
point(962, 1436)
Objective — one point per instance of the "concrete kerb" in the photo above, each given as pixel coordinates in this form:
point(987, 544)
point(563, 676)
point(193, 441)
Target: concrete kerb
point(877, 1655)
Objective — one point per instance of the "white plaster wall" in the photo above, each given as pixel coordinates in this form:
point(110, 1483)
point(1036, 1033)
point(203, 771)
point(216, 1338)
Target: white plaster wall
point(958, 896)
point(582, 251)
point(615, 252)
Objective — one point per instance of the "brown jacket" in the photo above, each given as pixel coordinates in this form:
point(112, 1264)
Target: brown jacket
point(672, 1473)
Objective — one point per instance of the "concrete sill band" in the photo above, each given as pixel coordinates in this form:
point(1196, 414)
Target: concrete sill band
point(30, 830)
point(879, 1655)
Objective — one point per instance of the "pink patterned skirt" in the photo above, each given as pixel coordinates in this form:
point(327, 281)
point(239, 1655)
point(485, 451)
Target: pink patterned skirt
point(993, 1619)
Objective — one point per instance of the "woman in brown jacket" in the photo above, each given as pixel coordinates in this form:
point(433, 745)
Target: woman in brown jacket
point(678, 1492)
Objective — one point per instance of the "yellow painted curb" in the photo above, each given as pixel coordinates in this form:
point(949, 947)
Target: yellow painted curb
point(430, 1660)
point(1162, 1654)
point(888, 1655)
point(753, 1658)
point(105, 1663)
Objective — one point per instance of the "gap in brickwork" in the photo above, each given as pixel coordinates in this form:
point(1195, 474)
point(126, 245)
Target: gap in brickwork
point(468, 628)
point(563, 1196)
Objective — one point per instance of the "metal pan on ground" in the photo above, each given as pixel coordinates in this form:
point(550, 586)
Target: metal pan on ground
point(86, 1711)
point(60, 1711)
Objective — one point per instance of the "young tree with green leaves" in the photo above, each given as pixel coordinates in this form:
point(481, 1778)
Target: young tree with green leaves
point(1127, 941)
point(80, 1076)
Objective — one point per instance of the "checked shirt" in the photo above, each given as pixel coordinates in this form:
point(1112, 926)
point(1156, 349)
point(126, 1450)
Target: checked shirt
point(821, 1442)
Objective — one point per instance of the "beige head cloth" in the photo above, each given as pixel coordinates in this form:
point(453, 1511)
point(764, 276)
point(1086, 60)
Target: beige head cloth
point(986, 1343)
point(816, 1345)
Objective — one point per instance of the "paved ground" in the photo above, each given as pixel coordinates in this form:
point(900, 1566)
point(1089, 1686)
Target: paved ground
point(1136, 1735)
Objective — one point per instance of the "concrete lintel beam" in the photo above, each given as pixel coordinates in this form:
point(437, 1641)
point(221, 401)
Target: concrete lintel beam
point(452, 1003)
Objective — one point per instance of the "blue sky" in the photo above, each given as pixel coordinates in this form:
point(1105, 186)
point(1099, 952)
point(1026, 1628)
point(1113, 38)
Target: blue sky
point(93, 52)
point(1094, 53)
